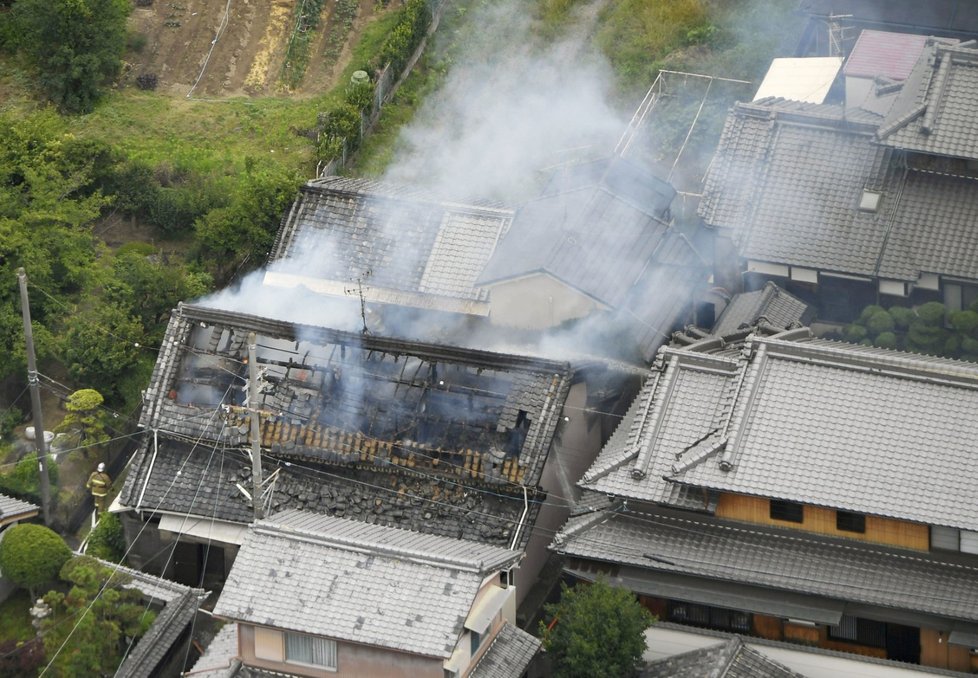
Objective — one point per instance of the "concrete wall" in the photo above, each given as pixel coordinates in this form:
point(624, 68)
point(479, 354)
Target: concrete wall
point(361, 661)
point(537, 302)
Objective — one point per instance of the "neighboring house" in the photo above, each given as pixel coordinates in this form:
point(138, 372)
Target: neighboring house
point(730, 659)
point(442, 440)
point(677, 651)
point(312, 594)
point(770, 308)
point(878, 61)
point(596, 243)
point(847, 208)
point(795, 488)
point(163, 649)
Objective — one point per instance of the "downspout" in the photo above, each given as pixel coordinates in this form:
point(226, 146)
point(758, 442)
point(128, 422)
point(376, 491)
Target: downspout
point(149, 473)
point(519, 528)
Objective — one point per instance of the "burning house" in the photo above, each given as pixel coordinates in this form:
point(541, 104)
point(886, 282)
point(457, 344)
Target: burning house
point(453, 442)
point(597, 244)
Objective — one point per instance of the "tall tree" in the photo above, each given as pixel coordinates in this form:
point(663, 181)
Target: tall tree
point(597, 631)
point(76, 45)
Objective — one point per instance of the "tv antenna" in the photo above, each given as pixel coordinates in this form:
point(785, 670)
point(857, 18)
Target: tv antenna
point(358, 290)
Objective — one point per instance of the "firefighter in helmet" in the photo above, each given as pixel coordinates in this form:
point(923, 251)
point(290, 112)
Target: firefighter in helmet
point(99, 483)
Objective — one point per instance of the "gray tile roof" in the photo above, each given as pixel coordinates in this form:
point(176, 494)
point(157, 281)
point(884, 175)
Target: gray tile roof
point(360, 417)
point(596, 228)
point(362, 583)
point(508, 656)
point(770, 304)
point(732, 659)
point(394, 238)
point(810, 421)
point(782, 560)
point(14, 509)
point(787, 181)
point(934, 113)
point(145, 659)
point(181, 480)
point(220, 658)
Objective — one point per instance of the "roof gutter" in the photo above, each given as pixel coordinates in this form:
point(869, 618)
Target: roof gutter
point(519, 527)
point(149, 473)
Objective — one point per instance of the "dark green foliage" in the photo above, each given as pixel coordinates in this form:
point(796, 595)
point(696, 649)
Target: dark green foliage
point(931, 313)
point(106, 540)
point(104, 613)
point(598, 632)
point(886, 340)
point(405, 37)
point(75, 45)
point(245, 229)
point(920, 330)
point(24, 481)
point(32, 555)
point(902, 316)
point(100, 345)
point(855, 333)
point(879, 322)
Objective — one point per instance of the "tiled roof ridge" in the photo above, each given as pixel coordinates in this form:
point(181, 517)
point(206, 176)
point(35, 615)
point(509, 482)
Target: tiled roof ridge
point(788, 111)
point(365, 188)
point(376, 547)
point(884, 361)
point(704, 448)
point(798, 536)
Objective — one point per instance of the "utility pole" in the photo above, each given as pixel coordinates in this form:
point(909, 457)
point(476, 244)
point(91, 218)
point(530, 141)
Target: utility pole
point(256, 475)
point(39, 443)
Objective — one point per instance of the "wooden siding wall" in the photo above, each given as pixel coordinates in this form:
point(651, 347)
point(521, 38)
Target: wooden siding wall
point(822, 521)
point(936, 651)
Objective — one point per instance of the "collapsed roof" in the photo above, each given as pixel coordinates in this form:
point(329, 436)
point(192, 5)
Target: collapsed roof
point(373, 412)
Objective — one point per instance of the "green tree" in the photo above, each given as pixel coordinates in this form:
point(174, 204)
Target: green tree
point(598, 631)
point(75, 45)
point(85, 423)
point(106, 540)
point(32, 555)
point(101, 345)
point(103, 611)
point(24, 480)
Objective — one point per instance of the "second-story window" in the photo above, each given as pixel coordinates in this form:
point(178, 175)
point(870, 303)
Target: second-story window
point(850, 522)
point(787, 510)
point(303, 649)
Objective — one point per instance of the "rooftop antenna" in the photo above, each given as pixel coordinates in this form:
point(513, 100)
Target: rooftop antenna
point(363, 302)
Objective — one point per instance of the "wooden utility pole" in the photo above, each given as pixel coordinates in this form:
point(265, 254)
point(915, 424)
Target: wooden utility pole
point(256, 474)
point(39, 443)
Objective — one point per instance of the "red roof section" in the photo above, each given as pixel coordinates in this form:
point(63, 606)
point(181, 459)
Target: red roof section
point(881, 53)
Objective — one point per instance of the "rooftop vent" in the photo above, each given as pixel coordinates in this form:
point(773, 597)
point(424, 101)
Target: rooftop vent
point(870, 201)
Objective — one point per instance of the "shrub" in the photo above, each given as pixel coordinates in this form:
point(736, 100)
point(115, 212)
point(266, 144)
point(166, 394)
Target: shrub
point(886, 340)
point(106, 541)
point(869, 312)
point(902, 316)
point(855, 333)
point(32, 556)
point(880, 322)
point(931, 313)
point(964, 321)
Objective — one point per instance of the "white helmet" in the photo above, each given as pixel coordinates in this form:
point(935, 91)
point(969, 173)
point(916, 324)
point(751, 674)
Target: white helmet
point(101, 467)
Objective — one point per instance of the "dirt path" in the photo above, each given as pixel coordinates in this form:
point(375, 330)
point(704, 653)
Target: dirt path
point(234, 47)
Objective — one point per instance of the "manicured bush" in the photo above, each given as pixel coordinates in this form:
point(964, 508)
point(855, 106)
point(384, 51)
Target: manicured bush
point(31, 556)
point(931, 313)
point(854, 333)
point(902, 316)
point(869, 312)
point(879, 322)
point(886, 340)
point(106, 541)
point(964, 321)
